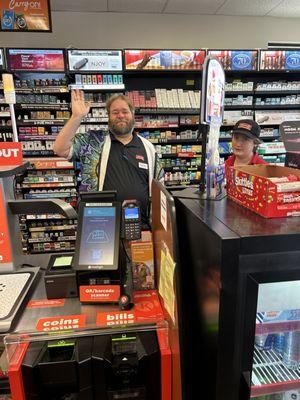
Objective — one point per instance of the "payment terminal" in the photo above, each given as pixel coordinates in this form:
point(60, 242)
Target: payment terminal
point(131, 220)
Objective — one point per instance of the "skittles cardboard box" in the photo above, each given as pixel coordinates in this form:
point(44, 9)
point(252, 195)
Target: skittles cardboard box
point(268, 190)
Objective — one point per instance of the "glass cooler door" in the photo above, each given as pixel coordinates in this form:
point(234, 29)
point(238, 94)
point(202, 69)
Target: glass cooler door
point(276, 357)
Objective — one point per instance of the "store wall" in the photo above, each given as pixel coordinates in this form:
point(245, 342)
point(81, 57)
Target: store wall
point(114, 30)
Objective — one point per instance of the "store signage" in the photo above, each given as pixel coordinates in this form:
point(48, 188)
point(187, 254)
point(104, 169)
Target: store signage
point(272, 59)
point(36, 59)
point(10, 153)
point(115, 318)
point(5, 249)
point(213, 92)
point(99, 293)
point(292, 60)
point(290, 134)
point(61, 323)
point(236, 60)
point(147, 309)
point(2, 61)
point(164, 59)
point(95, 60)
point(25, 16)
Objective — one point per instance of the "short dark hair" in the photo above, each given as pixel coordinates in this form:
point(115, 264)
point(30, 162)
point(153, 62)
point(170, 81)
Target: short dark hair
point(115, 97)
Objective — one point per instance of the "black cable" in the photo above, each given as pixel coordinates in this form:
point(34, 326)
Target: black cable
point(125, 251)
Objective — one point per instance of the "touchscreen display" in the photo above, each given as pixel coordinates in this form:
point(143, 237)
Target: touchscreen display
point(98, 236)
point(131, 213)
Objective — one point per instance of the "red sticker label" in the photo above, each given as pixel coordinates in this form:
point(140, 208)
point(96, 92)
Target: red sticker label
point(147, 309)
point(139, 157)
point(44, 303)
point(11, 154)
point(61, 323)
point(99, 293)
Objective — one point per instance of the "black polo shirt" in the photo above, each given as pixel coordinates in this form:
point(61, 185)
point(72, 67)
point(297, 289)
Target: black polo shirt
point(128, 172)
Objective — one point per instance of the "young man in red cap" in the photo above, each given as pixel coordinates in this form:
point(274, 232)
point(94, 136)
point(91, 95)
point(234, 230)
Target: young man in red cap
point(245, 139)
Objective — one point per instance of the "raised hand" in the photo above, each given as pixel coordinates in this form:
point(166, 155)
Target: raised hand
point(80, 107)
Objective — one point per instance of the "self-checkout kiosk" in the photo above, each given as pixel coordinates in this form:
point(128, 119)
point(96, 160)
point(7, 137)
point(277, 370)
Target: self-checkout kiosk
point(131, 361)
point(100, 260)
point(125, 362)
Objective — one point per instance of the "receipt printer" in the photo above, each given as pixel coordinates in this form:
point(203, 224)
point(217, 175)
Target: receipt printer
point(60, 278)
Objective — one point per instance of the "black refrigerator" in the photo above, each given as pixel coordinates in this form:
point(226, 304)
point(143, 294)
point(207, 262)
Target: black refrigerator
point(240, 288)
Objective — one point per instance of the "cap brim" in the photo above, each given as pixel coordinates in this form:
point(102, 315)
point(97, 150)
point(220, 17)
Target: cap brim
point(248, 134)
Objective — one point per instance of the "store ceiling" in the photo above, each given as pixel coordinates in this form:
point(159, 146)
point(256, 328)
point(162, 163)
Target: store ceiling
point(272, 8)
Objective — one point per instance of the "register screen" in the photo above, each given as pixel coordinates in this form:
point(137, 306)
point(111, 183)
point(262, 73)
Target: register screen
point(98, 236)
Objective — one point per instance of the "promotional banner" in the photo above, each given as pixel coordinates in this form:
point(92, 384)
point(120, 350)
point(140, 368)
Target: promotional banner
point(236, 60)
point(95, 60)
point(212, 111)
point(213, 93)
point(280, 60)
point(25, 15)
point(36, 59)
point(290, 134)
point(292, 60)
point(164, 59)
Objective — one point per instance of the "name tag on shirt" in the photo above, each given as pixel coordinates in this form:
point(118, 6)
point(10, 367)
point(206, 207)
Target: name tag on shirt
point(143, 165)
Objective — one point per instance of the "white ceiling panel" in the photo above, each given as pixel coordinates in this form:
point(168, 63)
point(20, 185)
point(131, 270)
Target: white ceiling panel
point(248, 7)
point(79, 5)
point(193, 6)
point(287, 8)
point(136, 6)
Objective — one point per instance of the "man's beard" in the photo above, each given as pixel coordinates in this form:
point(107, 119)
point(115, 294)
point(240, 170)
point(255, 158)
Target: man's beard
point(121, 130)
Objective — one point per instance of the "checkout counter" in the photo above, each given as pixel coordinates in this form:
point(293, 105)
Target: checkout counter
point(78, 347)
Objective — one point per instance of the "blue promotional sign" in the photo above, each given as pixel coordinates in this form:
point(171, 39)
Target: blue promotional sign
point(243, 60)
point(292, 59)
point(236, 60)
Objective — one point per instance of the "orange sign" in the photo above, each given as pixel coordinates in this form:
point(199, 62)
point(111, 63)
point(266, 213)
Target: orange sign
point(25, 15)
point(5, 250)
point(45, 303)
point(147, 309)
point(99, 293)
point(10, 153)
point(61, 323)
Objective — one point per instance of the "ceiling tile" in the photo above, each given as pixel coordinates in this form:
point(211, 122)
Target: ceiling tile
point(79, 5)
point(136, 6)
point(248, 7)
point(287, 8)
point(193, 6)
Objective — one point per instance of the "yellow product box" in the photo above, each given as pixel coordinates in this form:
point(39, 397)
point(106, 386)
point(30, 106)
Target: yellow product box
point(143, 262)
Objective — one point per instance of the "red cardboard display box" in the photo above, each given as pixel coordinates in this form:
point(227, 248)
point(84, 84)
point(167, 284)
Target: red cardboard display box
point(250, 186)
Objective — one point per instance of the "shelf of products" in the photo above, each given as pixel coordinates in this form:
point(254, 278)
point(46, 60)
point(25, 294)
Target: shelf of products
point(43, 107)
point(272, 102)
point(167, 114)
